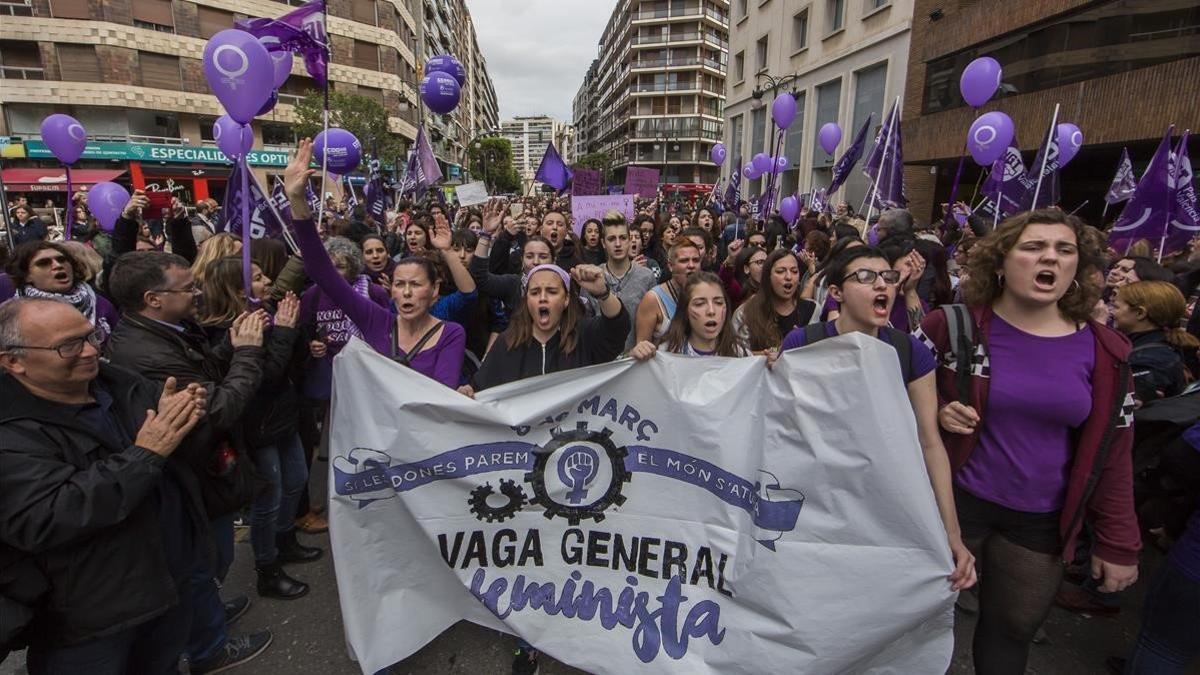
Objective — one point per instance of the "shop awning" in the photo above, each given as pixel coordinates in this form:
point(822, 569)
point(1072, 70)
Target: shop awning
point(54, 180)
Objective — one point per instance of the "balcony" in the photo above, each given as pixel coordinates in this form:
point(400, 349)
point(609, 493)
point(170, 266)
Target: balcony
point(676, 62)
point(684, 13)
point(665, 87)
point(15, 73)
point(659, 39)
point(16, 9)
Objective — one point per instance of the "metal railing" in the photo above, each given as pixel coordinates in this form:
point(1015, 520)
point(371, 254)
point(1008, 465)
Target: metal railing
point(16, 73)
point(677, 61)
point(16, 8)
point(666, 86)
point(660, 38)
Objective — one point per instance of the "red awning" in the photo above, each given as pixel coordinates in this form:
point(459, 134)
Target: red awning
point(54, 180)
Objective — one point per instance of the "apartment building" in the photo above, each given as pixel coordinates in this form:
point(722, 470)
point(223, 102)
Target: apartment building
point(655, 95)
point(530, 135)
point(843, 60)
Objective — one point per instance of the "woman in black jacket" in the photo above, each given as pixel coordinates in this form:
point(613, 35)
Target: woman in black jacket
point(1149, 314)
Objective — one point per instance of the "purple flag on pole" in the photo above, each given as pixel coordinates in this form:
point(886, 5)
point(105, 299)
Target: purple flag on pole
point(351, 195)
point(374, 193)
point(428, 171)
point(1002, 187)
point(889, 187)
point(871, 166)
point(1123, 183)
point(1185, 215)
point(408, 181)
point(820, 201)
point(841, 170)
point(263, 222)
point(552, 171)
point(1148, 213)
point(1049, 194)
point(300, 31)
point(733, 193)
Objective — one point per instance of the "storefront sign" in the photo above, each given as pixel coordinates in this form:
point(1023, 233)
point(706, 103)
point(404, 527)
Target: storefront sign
point(156, 152)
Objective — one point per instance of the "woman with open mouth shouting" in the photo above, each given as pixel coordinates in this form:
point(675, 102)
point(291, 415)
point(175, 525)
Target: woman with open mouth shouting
point(1036, 413)
point(703, 328)
point(864, 284)
point(45, 269)
point(778, 306)
point(412, 336)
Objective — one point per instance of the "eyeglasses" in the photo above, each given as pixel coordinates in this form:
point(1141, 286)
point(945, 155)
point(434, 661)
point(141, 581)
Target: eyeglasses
point(190, 289)
point(71, 348)
point(866, 276)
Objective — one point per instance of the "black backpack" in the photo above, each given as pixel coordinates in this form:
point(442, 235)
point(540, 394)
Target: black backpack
point(815, 332)
point(960, 329)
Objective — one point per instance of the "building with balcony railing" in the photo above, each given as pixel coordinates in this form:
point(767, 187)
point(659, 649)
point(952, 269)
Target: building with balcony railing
point(655, 95)
point(132, 73)
point(530, 135)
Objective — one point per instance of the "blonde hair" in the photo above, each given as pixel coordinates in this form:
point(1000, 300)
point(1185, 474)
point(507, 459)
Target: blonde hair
point(1164, 305)
point(213, 249)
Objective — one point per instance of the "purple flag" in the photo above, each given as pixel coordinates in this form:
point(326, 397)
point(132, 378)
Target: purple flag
point(1048, 194)
point(552, 171)
point(263, 221)
point(1123, 184)
point(351, 195)
point(889, 187)
point(408, 181)
point(300, 31)
point(1002, 188)
point(374, 193)
point(871, 166)
point(1148, 213)
point(820, 201)
point(733, 193)
point(841, 170)
point(428, 171)
point(1185, 216)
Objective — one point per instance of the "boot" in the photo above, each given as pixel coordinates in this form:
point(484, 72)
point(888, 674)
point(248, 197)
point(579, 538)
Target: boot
point(273, 582)
point(292, 551)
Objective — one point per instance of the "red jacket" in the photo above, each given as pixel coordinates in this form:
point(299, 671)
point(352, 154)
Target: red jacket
point(1100, 483)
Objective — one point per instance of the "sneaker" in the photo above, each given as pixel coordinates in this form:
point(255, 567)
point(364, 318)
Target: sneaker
point(237, 651)
point(236, 608)
point(525, 662)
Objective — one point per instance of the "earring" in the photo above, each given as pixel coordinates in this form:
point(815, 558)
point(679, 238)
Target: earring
point(1000, 279)
point(1074, 286)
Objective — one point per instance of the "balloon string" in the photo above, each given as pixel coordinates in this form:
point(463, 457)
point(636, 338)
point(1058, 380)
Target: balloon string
point(246, 280)
point(69, 214)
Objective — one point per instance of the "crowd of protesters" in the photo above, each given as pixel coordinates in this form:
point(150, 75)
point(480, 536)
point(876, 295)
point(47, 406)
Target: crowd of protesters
point(151, 400)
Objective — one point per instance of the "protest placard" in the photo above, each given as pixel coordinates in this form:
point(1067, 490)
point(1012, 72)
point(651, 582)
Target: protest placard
point(585, 182)
point(596, 206)
point(641, 181)
point(470, 194)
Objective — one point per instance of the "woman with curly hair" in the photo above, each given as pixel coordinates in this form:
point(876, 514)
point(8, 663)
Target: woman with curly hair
point(1035, 413)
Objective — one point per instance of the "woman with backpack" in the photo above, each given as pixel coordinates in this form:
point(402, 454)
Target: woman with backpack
point(864, 284)
point(1036, 414)
point(1149, 314)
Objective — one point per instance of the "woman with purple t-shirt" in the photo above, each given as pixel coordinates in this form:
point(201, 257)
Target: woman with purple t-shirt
point(412, 336)
point(864, 286)
point(1038, 428)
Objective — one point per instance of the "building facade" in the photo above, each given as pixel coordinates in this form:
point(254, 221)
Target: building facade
point(1121, 70)
point(530, 136)
point(844, 61)
point(655, 96)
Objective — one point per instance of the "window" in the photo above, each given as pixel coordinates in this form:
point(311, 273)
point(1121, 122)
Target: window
point(828, 105)
point(78, 63)
point(761, 51)
point(869, 86)
point(153, 14)
point(794, 140)
point(739, 66)
point(364, 11)
point(800, 31)
point(366, 55)
point(20, 61)
point(160, 71)
point(206, 128)
point(873, 5)
point(275, 133)
point(837, 15)
point(758, 131)
point(372, 93)
point(742, 8)
point(1108, 38)
point(213, 21)
point(69, 9)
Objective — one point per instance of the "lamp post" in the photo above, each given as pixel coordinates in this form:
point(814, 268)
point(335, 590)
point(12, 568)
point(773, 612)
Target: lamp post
point(774, 84)
point(476, 142)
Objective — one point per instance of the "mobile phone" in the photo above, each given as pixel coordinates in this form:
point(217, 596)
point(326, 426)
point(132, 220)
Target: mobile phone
point(516, 210)
point(160, 203)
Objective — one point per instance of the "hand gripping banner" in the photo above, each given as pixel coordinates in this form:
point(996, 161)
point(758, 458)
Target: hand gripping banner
point(682, 515)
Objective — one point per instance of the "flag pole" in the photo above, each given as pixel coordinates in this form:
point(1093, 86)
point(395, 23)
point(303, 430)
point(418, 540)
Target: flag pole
point(873, 195)
point(1045, 158)
point(1171, 178)
point(287, 235)
point(947, 216)
point(325, 114)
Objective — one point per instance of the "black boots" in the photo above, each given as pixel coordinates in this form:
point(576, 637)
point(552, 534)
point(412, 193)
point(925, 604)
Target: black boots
point(273, 582)
point(292, 551)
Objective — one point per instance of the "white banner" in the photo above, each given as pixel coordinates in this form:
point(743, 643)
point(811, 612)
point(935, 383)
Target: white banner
point(684, 515)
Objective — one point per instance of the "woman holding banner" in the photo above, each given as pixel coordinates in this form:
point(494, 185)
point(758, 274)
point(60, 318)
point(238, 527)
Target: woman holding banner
point(1036, 414)
point(703, 328)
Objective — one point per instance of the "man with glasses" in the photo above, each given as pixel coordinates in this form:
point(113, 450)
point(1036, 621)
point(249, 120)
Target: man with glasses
point(92, 567)
point(159, 338)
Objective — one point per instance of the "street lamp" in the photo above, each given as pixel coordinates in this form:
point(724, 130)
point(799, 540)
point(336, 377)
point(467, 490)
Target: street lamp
point(484, 157)
point(775, 84)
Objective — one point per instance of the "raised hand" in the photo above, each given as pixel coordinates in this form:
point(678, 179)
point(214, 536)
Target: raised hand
point(493, 215)
point(440, 236)
point(288, 311)
point(295, 179)
point(247, 330)
point(590, 279)
point(136, 203)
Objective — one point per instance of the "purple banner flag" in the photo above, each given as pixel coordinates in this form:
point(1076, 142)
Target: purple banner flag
point(871, 166)
point(1048, 194)
point(263, 222)
point(820, 201)
point(552, 171)
point(1148, 213)
point(585, 183)
point(375, 193)
point(889, 186)
point(1123, 183)
point(841, 170)
point(1002, 187)
point(733, 193)
point(351, 195)
point(1185, 216)
point(641, 181)
point(301, 31)
point(422, 170)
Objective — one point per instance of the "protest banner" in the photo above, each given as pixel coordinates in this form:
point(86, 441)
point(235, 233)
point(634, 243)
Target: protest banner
point(470, 194)
point(586, 182)
point(681, 515)
point(641, 181)
point(596, 206)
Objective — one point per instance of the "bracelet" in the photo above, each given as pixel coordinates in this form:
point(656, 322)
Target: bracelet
point(607, 295)
point(485, 236)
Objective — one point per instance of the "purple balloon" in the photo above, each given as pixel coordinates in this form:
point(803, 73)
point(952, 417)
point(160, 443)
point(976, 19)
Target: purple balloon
point(345, 151)
point(989, 137)
point(445, 63)
point(239, 72)
point(789, 208)
point(762, 162)
point(980, 79)
point(232, 138)
point(106, 201)
point(281, 63)
point(65, 137)
point(270, 104)
point(750, 172)
point(717, 154)
point(781, 164)
point(783, 110)
point(440, 92)
point(1070, 140)
point(829, 136)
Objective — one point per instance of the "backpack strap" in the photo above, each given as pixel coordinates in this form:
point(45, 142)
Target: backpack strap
point(406, 360)
point(903, 346)
point(814, 332)
point(960, 327)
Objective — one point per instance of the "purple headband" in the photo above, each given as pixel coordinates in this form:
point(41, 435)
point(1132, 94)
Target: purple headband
point(562, 274)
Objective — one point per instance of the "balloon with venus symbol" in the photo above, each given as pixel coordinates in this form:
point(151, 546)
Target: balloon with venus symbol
point(106, 201)
point(65, 137)
point(989, 137)
point(1070, 140)
point(240, 73)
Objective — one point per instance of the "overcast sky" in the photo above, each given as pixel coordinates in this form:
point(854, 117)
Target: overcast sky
point(537, 51)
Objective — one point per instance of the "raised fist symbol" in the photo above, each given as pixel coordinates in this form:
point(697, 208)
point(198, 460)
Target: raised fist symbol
point(576, 470)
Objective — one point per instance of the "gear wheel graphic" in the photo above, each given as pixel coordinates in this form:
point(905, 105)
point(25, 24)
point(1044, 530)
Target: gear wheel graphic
point(497, 514)
point(594, 511)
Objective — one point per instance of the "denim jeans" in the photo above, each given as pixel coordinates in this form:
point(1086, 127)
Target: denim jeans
point(283, 468)
point(1170, 636)
point(208, 633)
